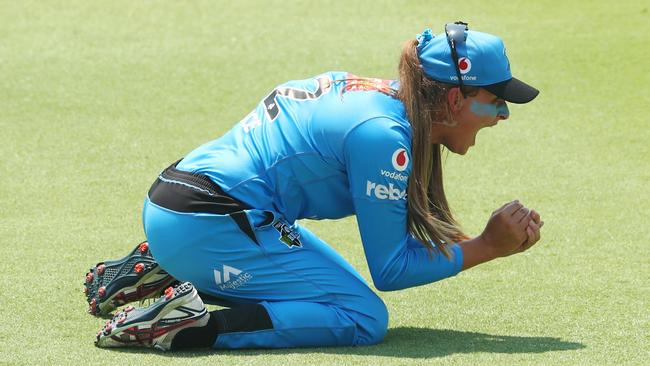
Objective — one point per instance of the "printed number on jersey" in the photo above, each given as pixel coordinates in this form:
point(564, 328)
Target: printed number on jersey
point(271, 108)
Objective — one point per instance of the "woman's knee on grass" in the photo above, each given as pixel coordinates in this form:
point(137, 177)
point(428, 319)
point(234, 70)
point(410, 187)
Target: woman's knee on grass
point(372, 321)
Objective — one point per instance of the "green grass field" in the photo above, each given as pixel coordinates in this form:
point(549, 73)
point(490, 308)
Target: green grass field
point(97, 97)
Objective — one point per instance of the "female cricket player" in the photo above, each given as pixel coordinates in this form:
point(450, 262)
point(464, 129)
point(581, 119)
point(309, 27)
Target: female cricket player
point(221, 222)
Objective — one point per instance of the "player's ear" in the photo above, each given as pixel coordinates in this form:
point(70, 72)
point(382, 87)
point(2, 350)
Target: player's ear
point(454, 100)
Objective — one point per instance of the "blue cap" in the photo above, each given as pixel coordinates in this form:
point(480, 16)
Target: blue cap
point(482, 61)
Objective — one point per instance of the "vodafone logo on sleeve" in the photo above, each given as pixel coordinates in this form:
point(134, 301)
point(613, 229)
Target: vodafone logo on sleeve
point(394, 175)
point(400, 160)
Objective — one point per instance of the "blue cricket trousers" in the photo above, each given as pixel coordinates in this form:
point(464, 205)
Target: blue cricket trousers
point(313, 296)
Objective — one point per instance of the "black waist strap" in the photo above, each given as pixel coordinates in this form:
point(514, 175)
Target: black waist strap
point(193, 192)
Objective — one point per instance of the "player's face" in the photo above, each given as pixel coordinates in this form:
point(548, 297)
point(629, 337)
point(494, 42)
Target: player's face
point(471, 115)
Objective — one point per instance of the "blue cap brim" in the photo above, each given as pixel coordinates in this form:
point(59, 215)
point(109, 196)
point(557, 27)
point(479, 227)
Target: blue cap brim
point(513, 91)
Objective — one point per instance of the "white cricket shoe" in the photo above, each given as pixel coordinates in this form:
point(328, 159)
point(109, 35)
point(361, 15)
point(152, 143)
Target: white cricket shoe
point(156, 325)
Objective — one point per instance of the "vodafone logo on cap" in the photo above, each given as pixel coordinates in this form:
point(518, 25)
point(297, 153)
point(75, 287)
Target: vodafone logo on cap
point(400, 160)
point(464, 65)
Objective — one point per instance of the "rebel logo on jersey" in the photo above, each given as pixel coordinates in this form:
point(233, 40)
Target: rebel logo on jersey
point(383, 192)
point(400, 160)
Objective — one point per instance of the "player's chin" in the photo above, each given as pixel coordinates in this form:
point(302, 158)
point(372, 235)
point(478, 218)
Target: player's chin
point(460, 150)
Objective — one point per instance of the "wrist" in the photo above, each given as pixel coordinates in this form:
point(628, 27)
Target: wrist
point(490, 248)
point(477, 251)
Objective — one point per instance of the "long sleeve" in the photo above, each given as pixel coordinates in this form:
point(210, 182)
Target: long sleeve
point(378, 155)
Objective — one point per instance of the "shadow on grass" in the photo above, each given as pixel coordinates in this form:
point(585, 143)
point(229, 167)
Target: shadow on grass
point(411, 342)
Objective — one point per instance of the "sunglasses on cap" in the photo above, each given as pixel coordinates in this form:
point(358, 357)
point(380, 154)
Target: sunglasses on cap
point(456, 35)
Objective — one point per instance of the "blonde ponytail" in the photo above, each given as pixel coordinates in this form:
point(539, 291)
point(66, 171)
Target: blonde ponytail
point(429, 217)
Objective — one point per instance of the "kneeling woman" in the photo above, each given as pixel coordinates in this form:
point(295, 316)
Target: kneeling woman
point(222, 220)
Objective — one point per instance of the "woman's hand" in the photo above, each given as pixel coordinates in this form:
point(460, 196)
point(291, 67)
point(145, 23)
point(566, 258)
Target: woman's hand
point(533, 232)
point(513, 228)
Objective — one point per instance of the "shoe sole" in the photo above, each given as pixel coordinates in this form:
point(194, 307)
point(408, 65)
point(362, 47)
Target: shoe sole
point(141, 327)
point(135, 277)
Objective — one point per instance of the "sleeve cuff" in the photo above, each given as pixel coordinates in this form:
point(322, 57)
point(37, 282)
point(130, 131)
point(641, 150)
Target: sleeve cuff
point(457, 258)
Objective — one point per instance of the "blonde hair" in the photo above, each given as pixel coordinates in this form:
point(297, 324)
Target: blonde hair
point(429, 217)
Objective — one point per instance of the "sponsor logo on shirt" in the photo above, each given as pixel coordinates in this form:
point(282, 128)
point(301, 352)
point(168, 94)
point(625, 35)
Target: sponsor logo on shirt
point(287, 234)
point(400, 160)
point(394, 175)
point(231, 278)
point(250, 121)
point(354, 83)
point(383, 192)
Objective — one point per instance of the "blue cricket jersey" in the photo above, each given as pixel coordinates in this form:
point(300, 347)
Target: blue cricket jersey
point(325, 148)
